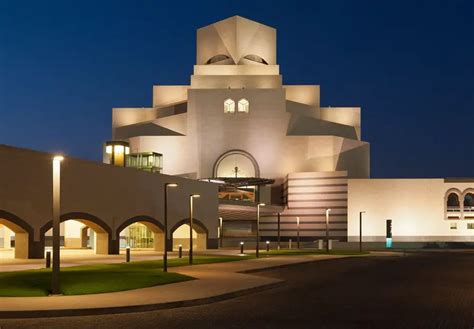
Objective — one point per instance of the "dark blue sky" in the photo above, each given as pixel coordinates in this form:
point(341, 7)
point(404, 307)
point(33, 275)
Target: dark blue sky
point(408, 64)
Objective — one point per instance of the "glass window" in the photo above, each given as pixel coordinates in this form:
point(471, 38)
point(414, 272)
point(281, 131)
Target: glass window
point(454, 226)
point(244, 106)
point(470, 226)
point(229, 106)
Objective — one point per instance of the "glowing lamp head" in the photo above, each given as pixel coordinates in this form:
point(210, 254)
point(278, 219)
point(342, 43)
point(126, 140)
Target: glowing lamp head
point(241, 243)
point(171, 184)
point(58, 158)
point(268, 242)
point(261, 204)
point(195, 195)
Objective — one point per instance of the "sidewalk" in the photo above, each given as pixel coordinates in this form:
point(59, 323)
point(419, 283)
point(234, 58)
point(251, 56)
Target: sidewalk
point(214, 282)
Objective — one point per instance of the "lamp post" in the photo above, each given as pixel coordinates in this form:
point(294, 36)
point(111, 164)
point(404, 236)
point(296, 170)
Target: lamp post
point(221, 226)
point(55, 282)
point(327, 229)
point(258, 229)
point(278, 229)
point(191, 215)
point(165, 253)
point(298, 233)
point(360, 230)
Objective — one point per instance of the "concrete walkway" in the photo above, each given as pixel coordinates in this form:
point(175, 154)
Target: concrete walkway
point(214, 282)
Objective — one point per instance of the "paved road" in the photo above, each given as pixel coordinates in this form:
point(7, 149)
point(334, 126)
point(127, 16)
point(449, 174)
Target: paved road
point(432, 290)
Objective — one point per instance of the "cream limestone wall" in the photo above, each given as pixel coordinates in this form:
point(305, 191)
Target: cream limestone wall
point(166, 95)
point(416, 207)
point(309, 95)
point(93, 191)
point(236, 37)
point(284, 129)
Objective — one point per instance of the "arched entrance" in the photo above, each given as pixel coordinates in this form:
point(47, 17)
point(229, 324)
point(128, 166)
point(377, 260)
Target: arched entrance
point(141, 232)
point(81, 230)
point(15, 234)
point(180, 235)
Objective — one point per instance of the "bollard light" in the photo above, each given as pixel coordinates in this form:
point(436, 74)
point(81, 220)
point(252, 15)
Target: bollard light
point(289, 244)
point(48, 259)
point(241, 247)
point(127, 254)
point(180, 251)
point(268, 246)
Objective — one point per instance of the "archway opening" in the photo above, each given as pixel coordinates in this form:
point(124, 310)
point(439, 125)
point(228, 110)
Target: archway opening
point(80, 236)
point(468, 202)
point(453, 201)
point(13, 240)
point(180, 236)
point(142, 235)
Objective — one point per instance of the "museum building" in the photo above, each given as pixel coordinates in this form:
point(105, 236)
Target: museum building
point(239, 137)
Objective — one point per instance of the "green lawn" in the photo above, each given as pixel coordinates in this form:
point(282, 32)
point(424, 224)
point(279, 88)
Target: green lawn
point(94, 279)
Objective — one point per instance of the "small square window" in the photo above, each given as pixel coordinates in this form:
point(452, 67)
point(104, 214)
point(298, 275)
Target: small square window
point(470, 226)
point(453, 226)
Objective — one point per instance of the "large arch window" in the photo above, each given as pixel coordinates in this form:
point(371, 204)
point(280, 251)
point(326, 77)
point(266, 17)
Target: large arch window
point(236, 163)
point(243, 106)
point(229, 106)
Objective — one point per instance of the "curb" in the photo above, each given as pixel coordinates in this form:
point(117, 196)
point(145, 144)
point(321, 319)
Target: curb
point(135, 308)
point(269, 268)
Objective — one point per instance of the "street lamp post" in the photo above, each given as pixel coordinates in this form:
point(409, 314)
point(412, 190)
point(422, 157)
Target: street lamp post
point(220, 232)
point(360, 230)
point(55, 282)
point(298, 233)
point(165, 253)
point(327, 229)
point(191, 215)
point(278, 229)
point(258, 229)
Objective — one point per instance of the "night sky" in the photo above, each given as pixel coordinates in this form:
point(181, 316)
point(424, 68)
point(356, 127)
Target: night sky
point(409, 65)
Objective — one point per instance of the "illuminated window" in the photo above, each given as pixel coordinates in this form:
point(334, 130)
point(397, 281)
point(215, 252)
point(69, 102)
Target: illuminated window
point(108, 149)
point(243, 106)
point(453, 226)
point(470, 226)
point(119, 149)
point(229, 106)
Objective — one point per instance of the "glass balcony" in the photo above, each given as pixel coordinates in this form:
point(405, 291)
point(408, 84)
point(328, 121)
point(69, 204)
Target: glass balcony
point(148, 161)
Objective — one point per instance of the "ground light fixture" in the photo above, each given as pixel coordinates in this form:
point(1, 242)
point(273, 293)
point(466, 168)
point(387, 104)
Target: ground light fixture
point(258, 229)
point(241, 247)
point(328, 210)
point(191, 215)
point(268, 246)
point(165, 250)
point(127, 254)
point(55, 280)
point(180, 251)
